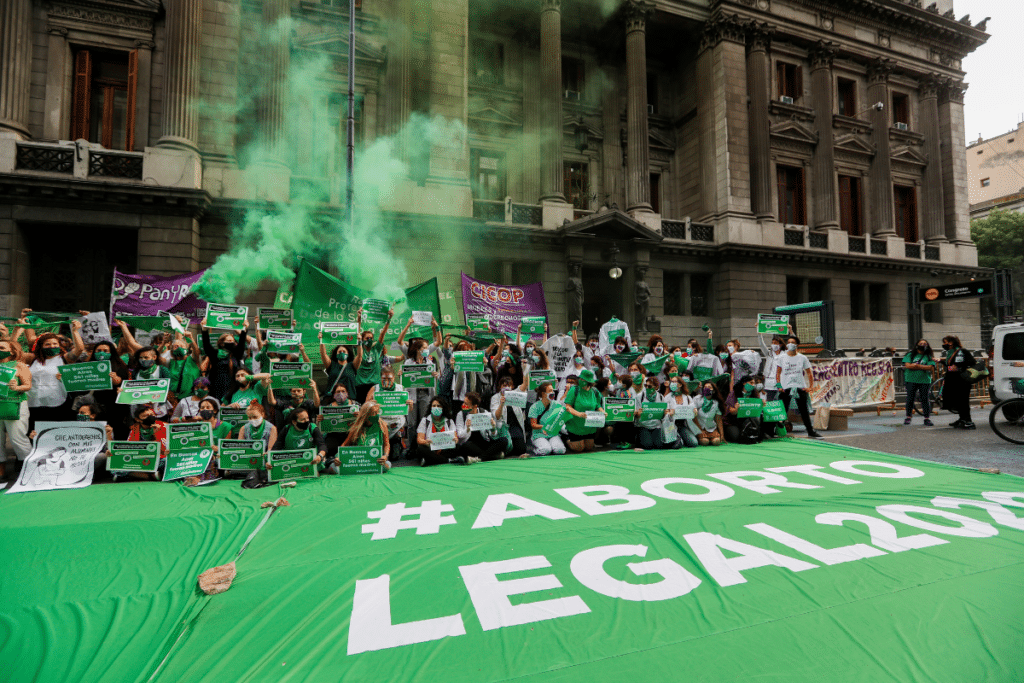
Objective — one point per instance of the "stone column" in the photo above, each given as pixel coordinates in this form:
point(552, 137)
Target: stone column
point(399, 70)
point(181, 77)
point(15, 66)
point(275, 74)
point(638, 154)
point(759, 38)
point(551, 101)
point(934, 207)
point(880, 174)
point(954, 163)
point(823, 165)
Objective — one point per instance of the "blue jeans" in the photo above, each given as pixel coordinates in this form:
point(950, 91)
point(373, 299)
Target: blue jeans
point(686, 439)
point(923, 392)
point(650, 439)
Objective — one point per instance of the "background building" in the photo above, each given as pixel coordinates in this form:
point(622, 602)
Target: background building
point(724, 154)
point(995, 173)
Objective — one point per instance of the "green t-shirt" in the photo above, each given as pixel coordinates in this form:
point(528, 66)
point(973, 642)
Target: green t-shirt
point(372, 435)
point(294, 440)
point(248, 395)
point(369, 368)
point(581, 401)
point(222, 431)
point(183, 373)
point(918, 376)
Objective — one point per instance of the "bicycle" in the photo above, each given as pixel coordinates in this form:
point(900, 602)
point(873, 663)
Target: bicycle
point(1007, 417)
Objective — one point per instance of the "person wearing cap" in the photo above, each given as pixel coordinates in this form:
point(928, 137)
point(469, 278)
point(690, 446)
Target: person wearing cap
point(579, 400)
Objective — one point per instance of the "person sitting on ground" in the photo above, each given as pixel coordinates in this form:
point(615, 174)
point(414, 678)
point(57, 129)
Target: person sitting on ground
point(438, 422)
point(649, 431)
point(477, 443)
point(544, 443)
point(708, 416)
point(300, 434)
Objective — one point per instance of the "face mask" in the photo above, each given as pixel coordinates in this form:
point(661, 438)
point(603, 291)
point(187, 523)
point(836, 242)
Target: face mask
point(731, 348)
point(529, 350)
point(301, 426)
point(920, 348)
point(341, 398)
point(4, 355)
point(593, 345)
point(635, 347)
point(53, 352)
point(101, 355)
point(619, 348)
point(551, 396)
point(947, 346)
point(436, 411)
point(659, 350)
point(791, 347)
point(776, 348)
point(229, 345)
point(706, 392)
point(638, 378)
point(342, 355)
point(149, 420)
point(466, 410)
point(82, 417)
point(759, 386)
point(723, 356)
point(146, 362)
point(673, 387)
point(577, 360)
point(206, 414)
point(368, 343)
point(201, 393)
point(504, 389)
point(256, 421)
point(179, 352)
point(650, 393)
point(387, 383)
point(506, 355)
point(748, 390)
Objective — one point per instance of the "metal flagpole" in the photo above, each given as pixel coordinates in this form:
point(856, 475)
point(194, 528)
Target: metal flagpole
point(351, 125)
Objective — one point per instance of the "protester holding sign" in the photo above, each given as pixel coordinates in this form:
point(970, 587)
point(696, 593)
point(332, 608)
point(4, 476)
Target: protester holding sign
point(299, 434)
point(340, 372)
point(419, 354)
point(183, 367)
point(187, 409)
point(297, 398)
point(369, 430)
point(794, 373)
point(651, 410)
point(917, 377)
point(477, 431)
point(246, 388)
point(956, 392)
point(225, 360)
point(678, 397)
point(146, 428)
point(544, 443)
point(511, 419)
point(740, 429)
point(430, 430)
point(395, 423)
point(47, 397)
point(368, 356)
point(580, 400)
point(772, 354)
point(656, 359)
point(118, 415)
point(13, 405)
point(744, 363)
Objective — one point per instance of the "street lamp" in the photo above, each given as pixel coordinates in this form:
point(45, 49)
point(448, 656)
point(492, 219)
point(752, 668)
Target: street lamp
point(614, 272)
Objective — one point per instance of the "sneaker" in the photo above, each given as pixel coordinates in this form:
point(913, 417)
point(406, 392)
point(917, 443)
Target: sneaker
point(957, 425)
point(472, 460)
point(457, 460)
point(928, 423)
point(423, 462)
point(968, 425)
point(815, 435)
point(907, 421)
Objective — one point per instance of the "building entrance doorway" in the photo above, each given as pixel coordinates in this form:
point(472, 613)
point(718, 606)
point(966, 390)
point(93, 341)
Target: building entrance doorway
point(602, 299)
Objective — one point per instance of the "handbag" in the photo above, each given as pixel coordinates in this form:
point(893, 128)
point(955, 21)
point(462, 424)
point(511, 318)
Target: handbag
point(973, 375)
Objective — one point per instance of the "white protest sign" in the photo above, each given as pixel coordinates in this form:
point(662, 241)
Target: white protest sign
point(441, 441)
point(95, 328)
point(422, 318)
point(515, 399)
point(683, 413)
point(595, 418)
point(63, 456)
point(479, 422)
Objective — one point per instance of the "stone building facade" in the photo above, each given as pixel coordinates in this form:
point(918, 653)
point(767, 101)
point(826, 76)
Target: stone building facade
point(995, 173)
point(724, 154)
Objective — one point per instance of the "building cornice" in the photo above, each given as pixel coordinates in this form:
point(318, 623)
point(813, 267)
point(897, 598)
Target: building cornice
point(73, 193)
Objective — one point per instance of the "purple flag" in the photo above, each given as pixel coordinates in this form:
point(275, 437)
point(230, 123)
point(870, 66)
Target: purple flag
point(505, 305)
point(156, 294)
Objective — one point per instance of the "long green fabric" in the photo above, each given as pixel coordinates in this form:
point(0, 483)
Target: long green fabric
point(99, 583)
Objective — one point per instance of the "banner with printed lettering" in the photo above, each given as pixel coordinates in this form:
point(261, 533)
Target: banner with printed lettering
point(504, 305)
point(152, 295)
point(63, 456)
point(851, 382)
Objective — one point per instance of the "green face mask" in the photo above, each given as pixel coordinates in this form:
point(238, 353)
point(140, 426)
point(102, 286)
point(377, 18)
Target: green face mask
point(651, 393)
point(638, 379)
point(82, 417)
point(101, 355)
point(50, 353)
point(179, 352)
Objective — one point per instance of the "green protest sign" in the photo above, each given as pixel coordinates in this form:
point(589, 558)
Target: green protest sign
point(652, 411)
point(360, 460)
point(135, 391)
point(337, 419)
point(133, 456)
point(86, 376)
point(7, 372)
point(772, 324)
point(748, 407)
point(554, 418)
point(148, 323)
point(187, 463)
point(418, 376)
point(226, 317)
point(240, 454)
point(774, 411)
point(656, 365)
point(189, 436)
point(236, 417)
point(624, 359)
point(478, 324)
point(375, 310)
point(538, 377)
point(702, 374)
point(283, 342)
point(532, 325)
point(275, 319)
point(619, 409)
point(468, 361)
point(392, 403)
point(291, 464)
point(339, 333)
point(284, 375)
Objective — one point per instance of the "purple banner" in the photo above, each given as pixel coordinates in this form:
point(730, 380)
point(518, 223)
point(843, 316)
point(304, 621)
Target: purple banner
point(505, 305)
point(155, 294)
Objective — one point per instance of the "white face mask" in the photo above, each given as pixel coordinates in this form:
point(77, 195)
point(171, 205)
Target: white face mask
point(776, 347)
point(791, 347)
point(731, 348)
point(256, 421)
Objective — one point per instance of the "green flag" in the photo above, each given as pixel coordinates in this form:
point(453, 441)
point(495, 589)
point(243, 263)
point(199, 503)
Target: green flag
point(656, 365)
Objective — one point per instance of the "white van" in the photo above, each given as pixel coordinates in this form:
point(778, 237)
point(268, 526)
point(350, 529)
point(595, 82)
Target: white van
point(1007, 360)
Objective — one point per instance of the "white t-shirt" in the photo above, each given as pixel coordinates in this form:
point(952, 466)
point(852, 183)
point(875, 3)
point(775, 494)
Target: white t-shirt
point(745, 363)
point(793, 367)
point(560, 350)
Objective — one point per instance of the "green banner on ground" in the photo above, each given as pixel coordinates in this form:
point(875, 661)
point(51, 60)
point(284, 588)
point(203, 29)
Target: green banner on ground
point(360, 460)
point(86, 376)
point(794, 561)
point(133, 456)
